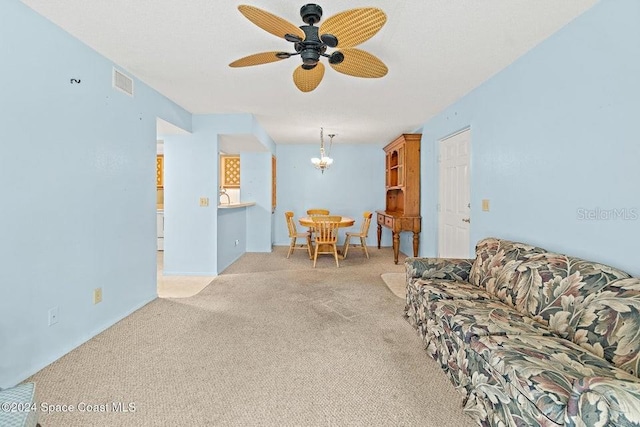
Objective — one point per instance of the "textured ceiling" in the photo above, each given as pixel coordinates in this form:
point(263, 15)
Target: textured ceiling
point(436, 52)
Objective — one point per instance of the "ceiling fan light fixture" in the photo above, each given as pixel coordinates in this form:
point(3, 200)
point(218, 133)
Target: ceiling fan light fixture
point(310, 56)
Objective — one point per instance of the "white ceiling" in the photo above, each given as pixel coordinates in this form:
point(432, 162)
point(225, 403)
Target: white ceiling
point(436, 52)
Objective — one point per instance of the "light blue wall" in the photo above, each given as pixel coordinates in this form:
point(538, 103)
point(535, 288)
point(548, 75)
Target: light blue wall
point(191, 233)
point(191, 173)
point(353, 184)
point(554, 133)
point(77, 169)
point(232, 226)
point(255, 176)
point(259, 132)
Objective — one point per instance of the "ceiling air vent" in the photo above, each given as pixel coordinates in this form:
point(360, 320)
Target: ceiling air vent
point(122, 82)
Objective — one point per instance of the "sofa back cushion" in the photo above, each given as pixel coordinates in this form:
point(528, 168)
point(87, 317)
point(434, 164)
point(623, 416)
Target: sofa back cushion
point(496, 262)
point(594, 305)
point(609, 324)
point(552, 289)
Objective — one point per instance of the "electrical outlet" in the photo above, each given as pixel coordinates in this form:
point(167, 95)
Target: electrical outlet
point(204, 202)
point(237, 242)
point(97, 295)
point(53, 316)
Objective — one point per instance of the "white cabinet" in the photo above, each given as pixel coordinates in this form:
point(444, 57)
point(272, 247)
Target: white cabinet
point(160, 229)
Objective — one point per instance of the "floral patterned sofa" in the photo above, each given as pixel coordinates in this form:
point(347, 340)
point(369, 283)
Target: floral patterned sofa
point(531, 337)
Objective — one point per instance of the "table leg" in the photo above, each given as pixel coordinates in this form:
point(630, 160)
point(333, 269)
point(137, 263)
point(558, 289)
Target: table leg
point(396, 246)
point(379, 234)
point(416, 243)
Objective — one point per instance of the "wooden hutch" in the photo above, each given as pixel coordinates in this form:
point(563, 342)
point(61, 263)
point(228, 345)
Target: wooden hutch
point(402, 185)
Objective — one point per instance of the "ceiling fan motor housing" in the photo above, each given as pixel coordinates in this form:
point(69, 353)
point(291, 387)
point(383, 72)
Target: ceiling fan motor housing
point(312, 47)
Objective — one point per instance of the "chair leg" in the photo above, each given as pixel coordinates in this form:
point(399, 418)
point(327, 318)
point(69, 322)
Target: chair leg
point(335, 254)
point(345, 248)
point(309, 245)
point(315, 255)
point(291, 246)
point(363, 241)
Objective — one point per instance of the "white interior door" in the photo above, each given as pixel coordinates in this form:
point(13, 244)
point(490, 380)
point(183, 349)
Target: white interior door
point(455, 196)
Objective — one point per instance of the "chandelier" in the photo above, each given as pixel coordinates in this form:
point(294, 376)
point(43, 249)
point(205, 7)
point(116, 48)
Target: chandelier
point(324, 161)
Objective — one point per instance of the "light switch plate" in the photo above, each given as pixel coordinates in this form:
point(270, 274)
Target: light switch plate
point(485, 205)
point(204, 202)
point(53, 316)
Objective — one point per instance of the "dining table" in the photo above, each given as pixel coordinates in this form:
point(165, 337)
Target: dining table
point(345, 221)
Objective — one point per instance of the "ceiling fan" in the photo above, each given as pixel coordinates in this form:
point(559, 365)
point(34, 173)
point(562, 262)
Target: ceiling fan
point(344, 31)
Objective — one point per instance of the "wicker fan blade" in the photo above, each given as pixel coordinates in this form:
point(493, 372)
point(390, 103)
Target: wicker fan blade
point(256, 59)
point(354, 26)
point(270, 22)
point(359, 63)
point(308, 80)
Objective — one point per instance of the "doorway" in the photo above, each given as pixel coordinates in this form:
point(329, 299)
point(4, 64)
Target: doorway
point(454, 207)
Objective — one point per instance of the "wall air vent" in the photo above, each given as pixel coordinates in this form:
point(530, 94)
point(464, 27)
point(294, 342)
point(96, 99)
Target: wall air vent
point(122, 82)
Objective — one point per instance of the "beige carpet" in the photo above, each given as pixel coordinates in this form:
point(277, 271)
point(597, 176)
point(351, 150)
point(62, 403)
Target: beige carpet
point(396, 283)
point(179, 286)
point(182, 286)
point(270, 342)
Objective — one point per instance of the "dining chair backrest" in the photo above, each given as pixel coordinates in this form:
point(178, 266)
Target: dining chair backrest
point(290, 224)
point(317, 211)
point(325, 228)
point(366, 222)
point(294, 236)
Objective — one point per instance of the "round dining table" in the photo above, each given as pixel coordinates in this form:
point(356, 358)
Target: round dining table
point(346, 221)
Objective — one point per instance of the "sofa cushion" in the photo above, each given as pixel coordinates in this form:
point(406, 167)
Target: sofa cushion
point(435, 290)
point(550, 287)
point(496, 261)
point(609, 324)
point(542, 369)
point(438, 268)
point(420, 293)
point(468, 319)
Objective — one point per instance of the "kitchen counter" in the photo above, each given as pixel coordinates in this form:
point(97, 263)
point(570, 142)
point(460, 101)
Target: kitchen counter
point(236, 205)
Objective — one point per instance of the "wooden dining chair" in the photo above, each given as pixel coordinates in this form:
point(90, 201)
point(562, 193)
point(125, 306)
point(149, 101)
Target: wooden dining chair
point(325, 234)
point(294, 236)
point(364, 232)
point(317, 211)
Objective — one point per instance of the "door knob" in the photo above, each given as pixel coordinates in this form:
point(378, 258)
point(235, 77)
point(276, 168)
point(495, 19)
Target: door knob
point(467, 220)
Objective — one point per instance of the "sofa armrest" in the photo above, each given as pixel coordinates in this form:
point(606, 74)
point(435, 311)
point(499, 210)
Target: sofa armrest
point(605, 401)
point(438, 268)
